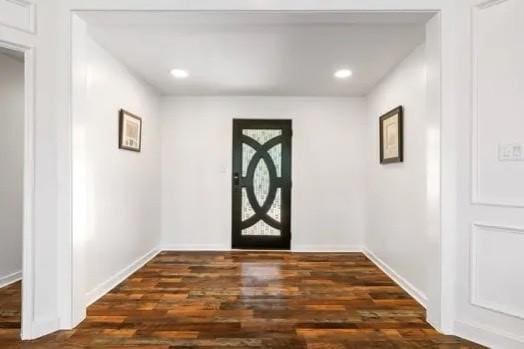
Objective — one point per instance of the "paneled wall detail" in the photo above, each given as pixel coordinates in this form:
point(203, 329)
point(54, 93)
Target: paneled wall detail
point(494, 290)
point(497, 280)
point(498, 103)
point(18, 14)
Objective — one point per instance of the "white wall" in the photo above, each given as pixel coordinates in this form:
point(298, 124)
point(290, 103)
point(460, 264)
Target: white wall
point(122, 188)
point(328, 182)
point(11, 173)
point(396, 207)
point(434, 291)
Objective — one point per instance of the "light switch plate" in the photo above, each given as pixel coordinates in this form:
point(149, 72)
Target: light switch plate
point(511, 152)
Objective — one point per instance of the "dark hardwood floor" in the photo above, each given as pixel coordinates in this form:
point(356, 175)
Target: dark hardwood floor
point(245, 300)
point(10, 307)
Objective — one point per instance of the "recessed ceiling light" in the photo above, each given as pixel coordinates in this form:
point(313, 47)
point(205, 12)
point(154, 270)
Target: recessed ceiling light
point(179, 73)
point(343, 73)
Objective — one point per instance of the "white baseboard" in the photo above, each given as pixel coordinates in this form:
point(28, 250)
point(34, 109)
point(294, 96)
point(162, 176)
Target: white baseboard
point(402, 282)
point(11, 278)
point(326, 248)
point(294, 248)
point(490, 337)
point(40, 328)
point(195, 247)
point(106, 286)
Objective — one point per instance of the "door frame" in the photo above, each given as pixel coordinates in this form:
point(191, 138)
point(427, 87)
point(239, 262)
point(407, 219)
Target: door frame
point(283, 242)
point(27, 49)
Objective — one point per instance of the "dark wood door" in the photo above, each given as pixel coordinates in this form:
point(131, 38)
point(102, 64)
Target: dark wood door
point(261, 184)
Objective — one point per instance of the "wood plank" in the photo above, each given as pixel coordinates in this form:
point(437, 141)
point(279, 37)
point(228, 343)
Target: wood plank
point(245, 300)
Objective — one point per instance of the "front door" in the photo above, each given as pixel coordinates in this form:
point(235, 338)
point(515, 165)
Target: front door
point(261, 184)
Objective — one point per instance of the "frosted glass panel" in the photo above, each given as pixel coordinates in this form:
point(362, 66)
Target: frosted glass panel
point(247, 155)
point(261, 228)
point(261, 182)
point(262, 136)
point(247, 209)
point(276, 209)
point(276, 156)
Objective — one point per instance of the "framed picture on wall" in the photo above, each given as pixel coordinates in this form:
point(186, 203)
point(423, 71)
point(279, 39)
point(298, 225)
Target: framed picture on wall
point(130, 131)
point(391, 136)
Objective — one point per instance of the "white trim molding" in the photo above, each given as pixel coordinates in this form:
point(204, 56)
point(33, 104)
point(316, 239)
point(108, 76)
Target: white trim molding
point(327, 248)
point(42, 327)
point(475, 298)
point(414, 292)
point(11, 41)
point(195, 247)
point(488, 336)
point(482, 4)
point(476, 196)
point(10, 279)
point(294, 248)
point(106, 286)
point(25, 23)
point(28, 266)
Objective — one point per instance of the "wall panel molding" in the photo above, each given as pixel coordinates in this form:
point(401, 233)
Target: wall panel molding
point(476, 297)
point(482, 4)
point(18, 14)
point(477, 196)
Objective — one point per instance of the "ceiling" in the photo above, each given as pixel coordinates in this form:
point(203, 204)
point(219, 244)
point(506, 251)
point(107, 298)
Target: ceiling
point(258, 54)
point(17, 55)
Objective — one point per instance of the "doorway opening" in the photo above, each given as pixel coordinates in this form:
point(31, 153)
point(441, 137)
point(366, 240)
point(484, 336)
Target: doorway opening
point(331, 73)
point(12, 154)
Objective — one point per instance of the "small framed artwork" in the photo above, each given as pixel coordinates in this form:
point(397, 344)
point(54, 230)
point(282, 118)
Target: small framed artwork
point(130, 131)
point(391, 136)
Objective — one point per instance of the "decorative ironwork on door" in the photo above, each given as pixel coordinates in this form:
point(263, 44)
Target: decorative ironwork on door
point(261, 183)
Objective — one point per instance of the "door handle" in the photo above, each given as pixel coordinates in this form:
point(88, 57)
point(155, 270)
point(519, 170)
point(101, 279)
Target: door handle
point(236, 178)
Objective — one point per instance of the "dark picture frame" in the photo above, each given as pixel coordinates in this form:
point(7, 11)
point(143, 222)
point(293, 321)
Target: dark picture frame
point(392, 131)
point(129, 131)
